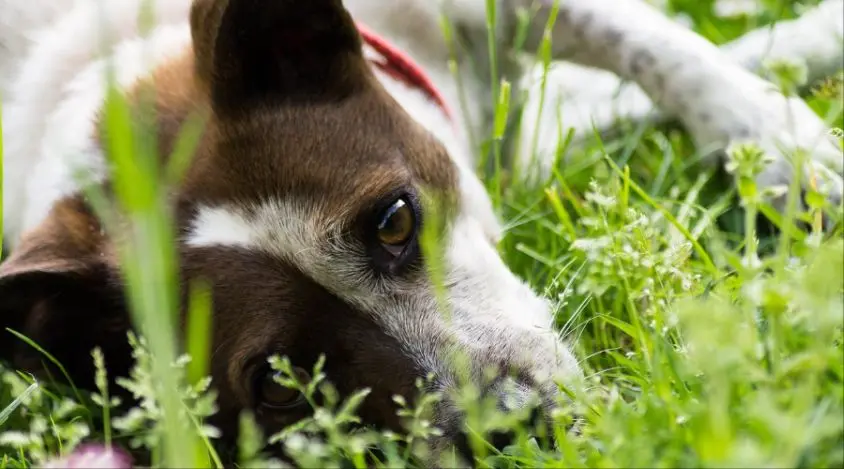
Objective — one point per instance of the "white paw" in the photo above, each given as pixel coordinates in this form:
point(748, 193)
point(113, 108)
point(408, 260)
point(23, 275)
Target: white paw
point(790, 132)
point(817, 174)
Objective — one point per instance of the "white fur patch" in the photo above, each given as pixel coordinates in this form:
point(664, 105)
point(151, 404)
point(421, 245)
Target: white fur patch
point(220, 227)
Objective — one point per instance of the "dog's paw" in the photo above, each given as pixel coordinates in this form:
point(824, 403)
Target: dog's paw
point(772, 159)
point(789, 133)
point(817, 177)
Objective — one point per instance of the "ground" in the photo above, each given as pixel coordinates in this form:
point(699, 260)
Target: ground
point(710, 334)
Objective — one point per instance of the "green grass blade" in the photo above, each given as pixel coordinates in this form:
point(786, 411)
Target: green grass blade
point(50, 358)
point(7, 411)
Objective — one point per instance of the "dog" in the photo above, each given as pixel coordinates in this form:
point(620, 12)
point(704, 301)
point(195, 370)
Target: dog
point(303, 204)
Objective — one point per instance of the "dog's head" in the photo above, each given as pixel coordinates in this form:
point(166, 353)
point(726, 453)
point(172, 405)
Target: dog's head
point(303, 208)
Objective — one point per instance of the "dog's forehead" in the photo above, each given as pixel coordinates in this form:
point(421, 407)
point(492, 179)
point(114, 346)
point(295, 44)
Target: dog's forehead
point(345, 155)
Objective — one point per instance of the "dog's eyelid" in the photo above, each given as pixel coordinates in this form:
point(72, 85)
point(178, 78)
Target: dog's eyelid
point(367, 215)
point(387, 198)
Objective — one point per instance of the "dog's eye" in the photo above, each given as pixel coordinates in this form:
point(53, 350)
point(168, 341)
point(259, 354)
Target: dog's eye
point(272, 394)
point(396, 226)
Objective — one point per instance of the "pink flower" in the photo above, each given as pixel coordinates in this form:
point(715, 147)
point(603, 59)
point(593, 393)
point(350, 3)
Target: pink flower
point(93, 456)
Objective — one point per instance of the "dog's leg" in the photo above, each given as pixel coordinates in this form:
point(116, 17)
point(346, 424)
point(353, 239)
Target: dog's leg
point(690, 79)
point(587, 98)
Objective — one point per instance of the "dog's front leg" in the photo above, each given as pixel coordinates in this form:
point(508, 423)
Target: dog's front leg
point(690, 79)
point(582, 99)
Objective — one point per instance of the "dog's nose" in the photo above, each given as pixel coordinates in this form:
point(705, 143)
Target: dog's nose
point(511, 396)
point(498, 439)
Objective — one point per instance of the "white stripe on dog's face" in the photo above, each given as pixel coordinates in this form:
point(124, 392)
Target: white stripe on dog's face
point(494, 317)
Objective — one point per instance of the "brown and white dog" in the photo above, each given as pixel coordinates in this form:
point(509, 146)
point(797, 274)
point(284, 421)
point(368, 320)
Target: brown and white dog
point(302, 204)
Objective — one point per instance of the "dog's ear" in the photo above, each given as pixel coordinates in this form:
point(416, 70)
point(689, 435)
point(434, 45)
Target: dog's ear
point(261, 51)
point(58, 290)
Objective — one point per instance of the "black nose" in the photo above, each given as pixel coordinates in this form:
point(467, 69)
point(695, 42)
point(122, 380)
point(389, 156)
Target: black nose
point(534, 426)
point(498, 439)
point(464, 449)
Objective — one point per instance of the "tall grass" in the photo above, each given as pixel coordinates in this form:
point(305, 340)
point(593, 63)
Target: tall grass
point(706, 341)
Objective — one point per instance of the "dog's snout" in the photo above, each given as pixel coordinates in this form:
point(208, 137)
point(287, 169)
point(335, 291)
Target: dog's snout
point(498, 439)
point(519, 413)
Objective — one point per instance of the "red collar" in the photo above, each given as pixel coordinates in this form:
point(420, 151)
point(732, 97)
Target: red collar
point(401, 67)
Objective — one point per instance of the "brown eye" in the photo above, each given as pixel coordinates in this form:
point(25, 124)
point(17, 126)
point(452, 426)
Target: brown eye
point(396, 226)
point(274, 395)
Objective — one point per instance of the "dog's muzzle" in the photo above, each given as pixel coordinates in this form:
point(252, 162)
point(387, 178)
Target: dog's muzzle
point(523, 408)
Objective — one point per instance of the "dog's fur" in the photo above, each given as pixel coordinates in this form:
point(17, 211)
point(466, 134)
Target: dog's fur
point(304, 144)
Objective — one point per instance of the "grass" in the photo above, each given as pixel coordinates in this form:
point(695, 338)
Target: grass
point(708, 338)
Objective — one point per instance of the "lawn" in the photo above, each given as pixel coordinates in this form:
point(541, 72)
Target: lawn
point(711, 336)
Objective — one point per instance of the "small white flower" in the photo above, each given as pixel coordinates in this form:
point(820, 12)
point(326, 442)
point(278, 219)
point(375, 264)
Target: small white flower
point(729, 8)
point(15, 439)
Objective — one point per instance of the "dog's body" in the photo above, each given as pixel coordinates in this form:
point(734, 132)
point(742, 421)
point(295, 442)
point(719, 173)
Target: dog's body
point(305, 137)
